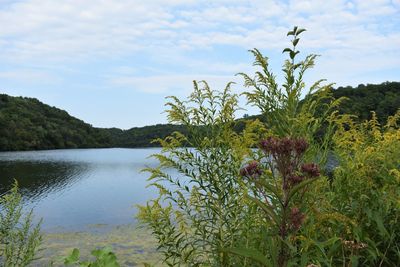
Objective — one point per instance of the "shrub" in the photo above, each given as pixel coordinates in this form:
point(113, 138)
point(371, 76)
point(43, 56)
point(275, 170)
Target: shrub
point(208, 211)
point(366, 190)
point(103, 258)
point(19, 238)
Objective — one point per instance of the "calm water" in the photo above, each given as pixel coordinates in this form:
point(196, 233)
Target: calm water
point(73, 189)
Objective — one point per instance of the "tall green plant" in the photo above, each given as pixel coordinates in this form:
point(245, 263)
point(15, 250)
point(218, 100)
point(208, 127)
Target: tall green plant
point(208, 210)
point(19, 237)
point(278, 184)
point(281, 192)
point(202, 209)
point(282, 107)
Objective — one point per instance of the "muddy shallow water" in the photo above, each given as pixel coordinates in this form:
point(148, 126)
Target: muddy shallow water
point(132, 245)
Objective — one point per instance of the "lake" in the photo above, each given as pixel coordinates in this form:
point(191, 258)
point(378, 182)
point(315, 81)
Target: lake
point(74, 189)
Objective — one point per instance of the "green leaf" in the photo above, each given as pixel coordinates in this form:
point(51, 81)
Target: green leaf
point(295, 41)
point(250, 253)
point(293, 54)
point(296, 188)
point(287, 50)
point(271, 188)
point(265, 208)
point(73, 258)
point(379, 223)
point(300, 31)
point(290, 33)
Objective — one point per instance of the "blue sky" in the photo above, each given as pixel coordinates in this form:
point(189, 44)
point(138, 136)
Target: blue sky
point(112, 62)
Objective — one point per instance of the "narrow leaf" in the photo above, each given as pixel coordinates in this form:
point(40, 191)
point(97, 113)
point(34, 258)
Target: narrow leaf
point(296, 188)
point(250, 253)
point(287, 50)
point(300, 31)
point(265, 208)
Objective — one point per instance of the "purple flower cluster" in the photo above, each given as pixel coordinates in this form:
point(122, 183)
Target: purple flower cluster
point(252, 170)
point(284, 146)
point(310, 169)
point(296, 179)
point(296, 218)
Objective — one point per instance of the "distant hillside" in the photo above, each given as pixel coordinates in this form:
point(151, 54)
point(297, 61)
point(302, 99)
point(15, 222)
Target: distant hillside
point(141, 136)
point(382, 98)
point(28, 124)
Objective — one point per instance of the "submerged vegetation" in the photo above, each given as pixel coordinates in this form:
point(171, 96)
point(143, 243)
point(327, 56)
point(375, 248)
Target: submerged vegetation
point(263, 196)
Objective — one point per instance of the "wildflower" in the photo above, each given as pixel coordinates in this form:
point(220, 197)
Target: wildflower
point(269, 145)
point(285, 146)
point(300, 146)
point(354, 245)
point(296, 218)
point(311, 169)
point(252, 170)
point(277, 146)
point(296, 179)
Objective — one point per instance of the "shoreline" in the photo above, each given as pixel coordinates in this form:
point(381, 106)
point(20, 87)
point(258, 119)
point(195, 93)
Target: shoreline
point(133, 245)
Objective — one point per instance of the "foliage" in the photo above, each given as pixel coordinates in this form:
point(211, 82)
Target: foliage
point(207, 212)
point(103, 258)
point(203, 209)
point(228, 203)
point(383, 99)
point(283, 192)
point(19, 238)
point(27, 124)
point(366, 189)
point(282, 109)
point(278, 184)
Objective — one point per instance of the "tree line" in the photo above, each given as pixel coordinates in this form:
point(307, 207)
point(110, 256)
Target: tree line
point(28, 124)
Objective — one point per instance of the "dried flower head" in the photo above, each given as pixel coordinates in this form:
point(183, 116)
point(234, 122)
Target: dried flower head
point(300, 146)
point(354, 245)
point(284, 146)
point(296, 179)
point(310, 169)
point(252, 170)
point(268, 145)
point(296, 218)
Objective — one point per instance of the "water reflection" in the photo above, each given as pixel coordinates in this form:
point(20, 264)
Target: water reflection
point(72, 189)
point(37, 179)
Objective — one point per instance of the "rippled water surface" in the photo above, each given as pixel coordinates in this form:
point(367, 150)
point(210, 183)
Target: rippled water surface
point(74, 189)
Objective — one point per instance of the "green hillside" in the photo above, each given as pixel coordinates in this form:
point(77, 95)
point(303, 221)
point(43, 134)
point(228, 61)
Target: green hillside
point(382, 98)
point(28, 124)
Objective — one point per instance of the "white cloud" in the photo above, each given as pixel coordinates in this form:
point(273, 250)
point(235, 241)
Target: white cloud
point(27, 76)
point(169, 84)
point(52, 33)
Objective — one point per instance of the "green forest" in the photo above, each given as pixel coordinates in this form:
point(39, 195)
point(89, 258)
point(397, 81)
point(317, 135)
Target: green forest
point(28, 124)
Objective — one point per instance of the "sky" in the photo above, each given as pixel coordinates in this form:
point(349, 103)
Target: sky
point(111, 63)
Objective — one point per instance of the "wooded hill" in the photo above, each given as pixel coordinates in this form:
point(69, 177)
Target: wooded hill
point(28, 124)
